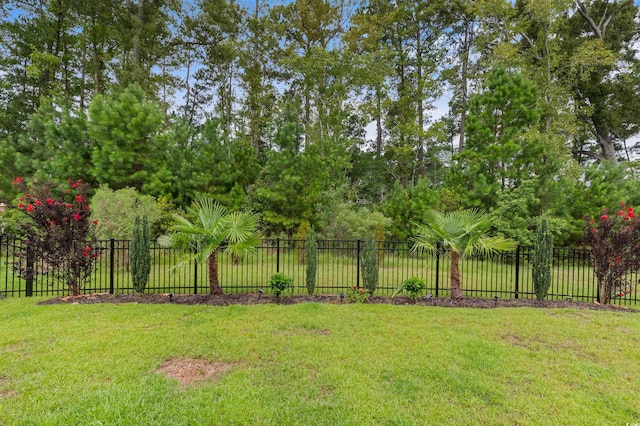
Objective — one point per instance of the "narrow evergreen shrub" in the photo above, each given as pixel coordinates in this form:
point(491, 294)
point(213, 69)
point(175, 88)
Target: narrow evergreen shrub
point(140, 254)
point(542, 260)
point(311, 253)
point(369, 265)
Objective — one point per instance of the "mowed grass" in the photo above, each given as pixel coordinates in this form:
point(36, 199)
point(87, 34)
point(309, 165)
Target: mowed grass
point(318, 364)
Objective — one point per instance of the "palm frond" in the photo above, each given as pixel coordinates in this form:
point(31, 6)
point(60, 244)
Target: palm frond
point(209, 213)
point(197, 241)
point(425, 240)
point(488, 245)
point(461, 231)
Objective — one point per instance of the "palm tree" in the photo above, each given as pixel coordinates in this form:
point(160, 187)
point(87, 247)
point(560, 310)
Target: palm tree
point(214, 227)
point(463, 233)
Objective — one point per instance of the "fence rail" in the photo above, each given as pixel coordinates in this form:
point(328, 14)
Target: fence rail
point(504, 274)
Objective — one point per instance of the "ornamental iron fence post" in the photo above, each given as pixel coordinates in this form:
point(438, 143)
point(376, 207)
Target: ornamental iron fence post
point(278, 254)
point(358, 264)
point(112, 255)
point(517, 289)
point(29, 273)
point(437, 268)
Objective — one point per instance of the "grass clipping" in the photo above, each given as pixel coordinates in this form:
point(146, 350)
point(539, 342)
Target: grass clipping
point(188, 371)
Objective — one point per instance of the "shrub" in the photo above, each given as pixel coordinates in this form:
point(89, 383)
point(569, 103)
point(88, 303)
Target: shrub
point(358, 294)
point(311, 253)
point(117, 210)
point(615, 252)
point(140, 254)
point(300, 236)
point(369, 265)
point(542, 260)
point(279, 282)
point(59, 235)
point(414, 286)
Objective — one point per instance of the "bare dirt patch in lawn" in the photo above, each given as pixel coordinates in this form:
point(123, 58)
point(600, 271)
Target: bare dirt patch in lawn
point(189, 370)
point(256, 299)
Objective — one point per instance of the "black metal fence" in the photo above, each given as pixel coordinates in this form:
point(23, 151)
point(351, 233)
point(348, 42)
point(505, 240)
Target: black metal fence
point(506, 274)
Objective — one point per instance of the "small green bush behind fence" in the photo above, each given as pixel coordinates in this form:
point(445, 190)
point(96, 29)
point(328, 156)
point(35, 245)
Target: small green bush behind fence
point(507, 275)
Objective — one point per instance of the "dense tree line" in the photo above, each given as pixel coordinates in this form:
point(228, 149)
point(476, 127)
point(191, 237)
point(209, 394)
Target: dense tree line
point(321, 112)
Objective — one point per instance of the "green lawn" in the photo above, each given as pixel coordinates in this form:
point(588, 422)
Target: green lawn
point(318, 364)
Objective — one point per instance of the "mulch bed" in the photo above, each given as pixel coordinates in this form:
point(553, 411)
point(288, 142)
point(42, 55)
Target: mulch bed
point(254, 299)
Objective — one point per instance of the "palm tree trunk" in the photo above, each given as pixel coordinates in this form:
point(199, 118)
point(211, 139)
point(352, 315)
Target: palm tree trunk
point(456, 291)
point(214, 285)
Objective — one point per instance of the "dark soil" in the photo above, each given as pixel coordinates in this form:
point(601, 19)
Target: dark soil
point(254, 299)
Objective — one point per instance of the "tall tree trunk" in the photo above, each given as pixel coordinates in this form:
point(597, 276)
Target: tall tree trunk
point(456, 291)
point(421, 168)
point(378, 121)
point(214, 285)
point(97, 72)
point(466, 47)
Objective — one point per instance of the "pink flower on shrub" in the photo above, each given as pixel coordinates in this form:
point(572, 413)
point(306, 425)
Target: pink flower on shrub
point(604, 217)
point(21, 206)
point(29, 208)
point(76, 217)
point(95, 222)
point(620, 212)
point(18, 180)
point(49, 201)
point(79, 198)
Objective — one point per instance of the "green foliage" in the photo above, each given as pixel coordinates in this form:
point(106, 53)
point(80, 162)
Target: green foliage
point(414, 286)
point(615, 252)
point(369, 265)
point(140, 254)
point(358, 294)
point(462, 232)
point(213, 226)
point(501, 151)
point(289, 187)
point(300, 236)
point(58, 232)
point(404, 206)
point(542, 260)
point(311, 255)
point(602, 185)
point(348, 221)
point(279, 282)
point(117, 210)
point(128, 151)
